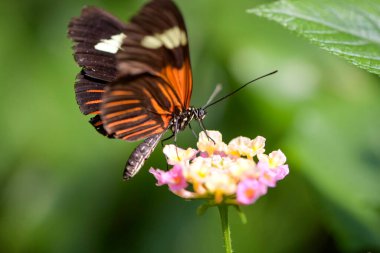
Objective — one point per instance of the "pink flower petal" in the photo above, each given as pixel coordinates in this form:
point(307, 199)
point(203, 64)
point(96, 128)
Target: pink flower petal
point(263, 165)
point(160, 176)
point(270, 176)
point(249, 190)
point(203, 154)
point(173, 178)
point(282, 171)
point(176, 179)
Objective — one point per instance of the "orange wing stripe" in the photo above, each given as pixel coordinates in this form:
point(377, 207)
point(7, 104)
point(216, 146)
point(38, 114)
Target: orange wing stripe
point(98, 123)
point(173, 99)
point(157, 108)
point(166, 120)
point(130, 129)
point(126, 120)
point(95, 112)
point(121, 93)
point(152, 130)
point(93, 102)
point(123, 102)
point(115, 114)
point(95, 91)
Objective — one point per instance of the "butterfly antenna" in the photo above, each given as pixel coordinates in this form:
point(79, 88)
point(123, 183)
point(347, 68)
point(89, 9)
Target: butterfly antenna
point(230, 94)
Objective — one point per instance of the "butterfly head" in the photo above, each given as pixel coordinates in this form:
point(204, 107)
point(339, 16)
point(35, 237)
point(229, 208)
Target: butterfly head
point(199, 113)
point(182, 119)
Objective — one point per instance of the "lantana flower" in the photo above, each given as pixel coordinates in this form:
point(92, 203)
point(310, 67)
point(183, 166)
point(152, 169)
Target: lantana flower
point(236, 173)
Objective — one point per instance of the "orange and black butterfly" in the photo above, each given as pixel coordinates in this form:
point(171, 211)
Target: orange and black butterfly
point(136, 78)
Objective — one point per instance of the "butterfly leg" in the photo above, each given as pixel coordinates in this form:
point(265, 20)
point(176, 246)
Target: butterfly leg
point(192, 130)
point(175, 143)
point(168, 138)
point(204, 130)
point(176, 129)
point(174, 134)
point(162, 145)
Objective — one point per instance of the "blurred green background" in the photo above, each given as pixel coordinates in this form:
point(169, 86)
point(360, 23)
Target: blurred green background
point(61, 188)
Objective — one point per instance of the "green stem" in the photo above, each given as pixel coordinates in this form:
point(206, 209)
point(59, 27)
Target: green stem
point(223, 211)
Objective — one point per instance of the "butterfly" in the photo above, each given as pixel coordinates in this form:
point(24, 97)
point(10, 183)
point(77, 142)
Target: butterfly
point(135, 78)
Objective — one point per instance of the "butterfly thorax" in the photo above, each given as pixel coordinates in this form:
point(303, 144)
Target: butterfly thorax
point(181, 119)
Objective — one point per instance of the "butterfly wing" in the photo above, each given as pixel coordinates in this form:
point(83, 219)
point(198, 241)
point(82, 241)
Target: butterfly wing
point(154, 72)
point(112, 54)
point(157, 43)
point(98, 67)
point(137, 107)
point(134, 77)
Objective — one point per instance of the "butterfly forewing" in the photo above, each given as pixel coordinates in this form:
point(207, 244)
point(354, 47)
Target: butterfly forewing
point(154, 74)
point(157, 43)
point(88, 30)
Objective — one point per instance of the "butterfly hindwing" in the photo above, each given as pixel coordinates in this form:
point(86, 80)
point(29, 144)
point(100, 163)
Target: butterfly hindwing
point(137, 107)
point(98, 124)
point(88, 92)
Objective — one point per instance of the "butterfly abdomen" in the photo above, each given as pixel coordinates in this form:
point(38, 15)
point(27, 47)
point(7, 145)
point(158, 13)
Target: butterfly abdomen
point(139, 155)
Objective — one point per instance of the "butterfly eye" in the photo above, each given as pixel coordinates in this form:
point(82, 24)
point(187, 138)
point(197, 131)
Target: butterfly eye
point(201, 114)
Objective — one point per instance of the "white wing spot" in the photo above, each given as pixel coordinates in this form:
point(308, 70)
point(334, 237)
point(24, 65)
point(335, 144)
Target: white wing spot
point(111, 45)
point(171, 38)
point(166, 40)
point(183, 38)
point(151, 42)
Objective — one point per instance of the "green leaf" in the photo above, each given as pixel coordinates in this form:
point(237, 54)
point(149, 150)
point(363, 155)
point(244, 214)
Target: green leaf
point(347, 28)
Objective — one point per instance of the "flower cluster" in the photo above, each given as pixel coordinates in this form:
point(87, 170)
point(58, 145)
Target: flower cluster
point(236, 173)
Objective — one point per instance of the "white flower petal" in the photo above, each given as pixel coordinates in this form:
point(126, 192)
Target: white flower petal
point(276, 158)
